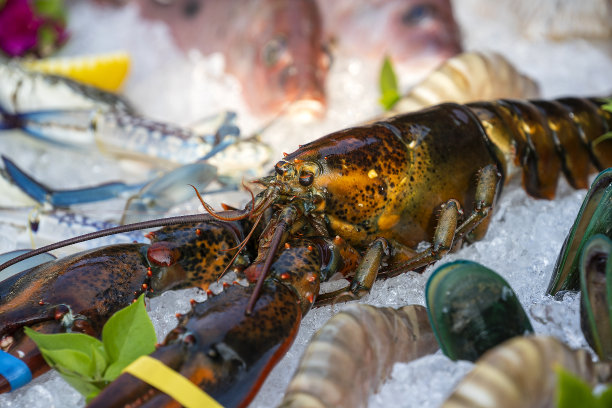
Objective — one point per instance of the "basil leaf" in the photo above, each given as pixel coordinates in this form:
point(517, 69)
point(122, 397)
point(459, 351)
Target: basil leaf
point(127, 335)
point(388, 85)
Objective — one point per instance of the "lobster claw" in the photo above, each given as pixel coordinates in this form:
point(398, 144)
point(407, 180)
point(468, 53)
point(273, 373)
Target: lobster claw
point(225, 351)
point(23, 265)
point(82, 291)
point(219, 348)
point(596, 288)
point(594, 217)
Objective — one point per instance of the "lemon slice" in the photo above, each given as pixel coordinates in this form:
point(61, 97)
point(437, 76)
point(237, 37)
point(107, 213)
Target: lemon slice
point(104, 71)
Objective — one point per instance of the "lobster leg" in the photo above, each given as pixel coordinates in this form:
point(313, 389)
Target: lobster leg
point(446, 235)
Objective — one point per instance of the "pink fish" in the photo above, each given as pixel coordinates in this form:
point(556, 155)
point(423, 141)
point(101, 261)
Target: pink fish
point(274, 47)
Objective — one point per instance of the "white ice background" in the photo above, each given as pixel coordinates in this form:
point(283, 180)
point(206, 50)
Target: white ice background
point(522, 243)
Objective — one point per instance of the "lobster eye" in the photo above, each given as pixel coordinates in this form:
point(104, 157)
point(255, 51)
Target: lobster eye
point(306, 178)
point(280, 168)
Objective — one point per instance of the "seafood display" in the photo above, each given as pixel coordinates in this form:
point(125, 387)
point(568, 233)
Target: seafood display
point(291, 252)
point(308, 198)
point(520, 373)
point(348, 358)
point(274, 47)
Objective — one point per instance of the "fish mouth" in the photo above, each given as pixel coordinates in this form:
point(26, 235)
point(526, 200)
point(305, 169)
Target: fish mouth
point(307, 110)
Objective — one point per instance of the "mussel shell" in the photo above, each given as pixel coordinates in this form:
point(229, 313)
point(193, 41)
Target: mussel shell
point(596, 288)
point(472, 309)
point(594, 217)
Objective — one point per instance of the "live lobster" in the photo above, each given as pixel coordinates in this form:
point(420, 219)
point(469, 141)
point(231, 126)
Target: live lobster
point(358, 202)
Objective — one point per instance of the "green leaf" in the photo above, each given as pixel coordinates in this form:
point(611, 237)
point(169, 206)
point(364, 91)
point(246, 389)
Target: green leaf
point(608, 104)
point(605, 399)
point(388, 85)
point(602, 138)
point(388, 100)
point(127, 335)
point(80, 359)
point(73, 352)
point(573, 392)
point(89, 364)
point(47, 38)
point(91, 395)
point(51, 8)
point(82, 384)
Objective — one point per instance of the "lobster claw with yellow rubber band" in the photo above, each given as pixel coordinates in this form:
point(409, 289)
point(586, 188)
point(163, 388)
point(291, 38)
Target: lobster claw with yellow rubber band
point(165, 379)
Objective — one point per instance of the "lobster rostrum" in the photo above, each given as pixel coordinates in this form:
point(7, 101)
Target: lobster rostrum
point(358, 202)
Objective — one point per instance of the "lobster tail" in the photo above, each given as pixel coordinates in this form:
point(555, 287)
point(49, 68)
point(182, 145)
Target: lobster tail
point(545, 138)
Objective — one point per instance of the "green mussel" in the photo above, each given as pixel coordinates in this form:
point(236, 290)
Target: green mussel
point(596, 292)
point(472, 309)
point(594, 217)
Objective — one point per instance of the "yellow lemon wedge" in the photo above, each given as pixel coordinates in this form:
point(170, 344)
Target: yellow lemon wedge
point(104, 71)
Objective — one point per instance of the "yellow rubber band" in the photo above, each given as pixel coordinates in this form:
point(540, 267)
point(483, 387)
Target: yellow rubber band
point(165, 379)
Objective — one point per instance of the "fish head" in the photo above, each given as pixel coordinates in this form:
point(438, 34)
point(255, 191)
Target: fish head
point(290, 61)
point(422, 32)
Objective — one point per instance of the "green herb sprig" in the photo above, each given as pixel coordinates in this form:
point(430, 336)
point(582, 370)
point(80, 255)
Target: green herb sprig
point(89, 364)
point(573, 392)
point(608, 135)
point(389, 90)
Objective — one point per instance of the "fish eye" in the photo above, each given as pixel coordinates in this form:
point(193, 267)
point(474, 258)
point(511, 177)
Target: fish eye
point(273, 49)
point(328, 57)
point(306, 178)
point(191, 8)
point(417, 14)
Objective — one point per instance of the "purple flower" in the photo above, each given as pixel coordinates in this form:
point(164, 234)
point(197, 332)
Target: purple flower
point(24, 29)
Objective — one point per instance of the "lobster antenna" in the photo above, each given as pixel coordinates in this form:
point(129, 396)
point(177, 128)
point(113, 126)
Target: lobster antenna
point(162, 222)
point(214, 214)
point(274, 244)
point(239, 246)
